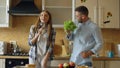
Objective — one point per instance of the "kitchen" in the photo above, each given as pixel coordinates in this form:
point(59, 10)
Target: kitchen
point(19, 31)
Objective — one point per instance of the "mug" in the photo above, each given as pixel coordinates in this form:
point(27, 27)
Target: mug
point(110, 54)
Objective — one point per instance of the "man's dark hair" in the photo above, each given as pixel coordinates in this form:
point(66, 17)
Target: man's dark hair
point(82, 9)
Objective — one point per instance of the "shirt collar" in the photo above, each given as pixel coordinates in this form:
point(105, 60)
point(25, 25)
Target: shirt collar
point(85, 23)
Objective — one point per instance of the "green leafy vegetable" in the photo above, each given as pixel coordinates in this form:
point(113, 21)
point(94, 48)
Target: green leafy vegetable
point(69, 25)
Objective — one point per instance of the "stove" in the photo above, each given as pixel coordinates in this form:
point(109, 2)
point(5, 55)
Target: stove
point(12, 62)
point(17, 54)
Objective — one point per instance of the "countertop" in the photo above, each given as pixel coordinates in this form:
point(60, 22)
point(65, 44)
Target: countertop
point(26, 57)
point(100, 58)
point(14, 57)
point(61, 58)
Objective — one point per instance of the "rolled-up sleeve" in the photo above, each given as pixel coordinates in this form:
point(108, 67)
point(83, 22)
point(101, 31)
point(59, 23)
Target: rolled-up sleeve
point(70, 36)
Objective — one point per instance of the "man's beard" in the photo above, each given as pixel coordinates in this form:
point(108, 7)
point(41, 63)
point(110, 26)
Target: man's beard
point(80, 21)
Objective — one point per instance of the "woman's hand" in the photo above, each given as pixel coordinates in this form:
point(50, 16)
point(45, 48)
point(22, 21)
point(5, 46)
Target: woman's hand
point(37, 35)
point(40, 30)
point(45, 60)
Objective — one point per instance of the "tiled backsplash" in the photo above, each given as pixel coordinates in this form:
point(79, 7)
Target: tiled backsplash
point(111, 38)
point(20, 30)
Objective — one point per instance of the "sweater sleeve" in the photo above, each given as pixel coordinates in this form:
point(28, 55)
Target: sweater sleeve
point(31, 35)
point(70, 36)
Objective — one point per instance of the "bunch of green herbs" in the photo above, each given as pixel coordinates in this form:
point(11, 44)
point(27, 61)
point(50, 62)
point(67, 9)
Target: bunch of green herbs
point(69, 25)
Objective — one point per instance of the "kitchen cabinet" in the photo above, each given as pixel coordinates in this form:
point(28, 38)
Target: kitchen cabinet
point(105, 13)
point(61, 10)
point(98, 64)
point(106, 62)
point(109, 11)
point(112, 64)
point(4, 16)
point(2, 63)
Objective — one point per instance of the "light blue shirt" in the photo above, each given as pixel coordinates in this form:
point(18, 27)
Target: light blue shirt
point(87, 36)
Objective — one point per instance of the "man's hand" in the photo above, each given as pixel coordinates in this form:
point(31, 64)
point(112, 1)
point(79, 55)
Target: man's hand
point(86, 54)
point(90, 53)
point(67, 31)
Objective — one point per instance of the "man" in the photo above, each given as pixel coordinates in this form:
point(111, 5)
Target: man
point(87, 39)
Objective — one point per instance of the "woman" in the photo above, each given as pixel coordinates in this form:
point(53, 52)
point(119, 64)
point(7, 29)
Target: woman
point(39, 40)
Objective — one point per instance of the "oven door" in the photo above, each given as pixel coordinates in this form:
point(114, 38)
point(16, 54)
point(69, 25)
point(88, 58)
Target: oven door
point(10, 63)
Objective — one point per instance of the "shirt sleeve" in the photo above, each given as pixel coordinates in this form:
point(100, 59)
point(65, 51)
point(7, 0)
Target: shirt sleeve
point(31, 35)
point(70, 36)
point(98, 39)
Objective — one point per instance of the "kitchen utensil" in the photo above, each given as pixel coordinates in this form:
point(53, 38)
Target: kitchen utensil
point(3, 47)
point(118, 50)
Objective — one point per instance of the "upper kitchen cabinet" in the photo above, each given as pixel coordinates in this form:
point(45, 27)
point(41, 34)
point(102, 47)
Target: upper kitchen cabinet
point(109, 13)
point(4, 16)
point(61, 10)
point(105, 13)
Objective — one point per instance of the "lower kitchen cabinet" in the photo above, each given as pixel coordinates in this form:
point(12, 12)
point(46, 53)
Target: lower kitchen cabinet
point(2, 63)
point(112, 64)
point(106, 64)
point(98, 64)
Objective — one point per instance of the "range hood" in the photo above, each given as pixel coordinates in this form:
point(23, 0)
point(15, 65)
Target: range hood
point(25, 7)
